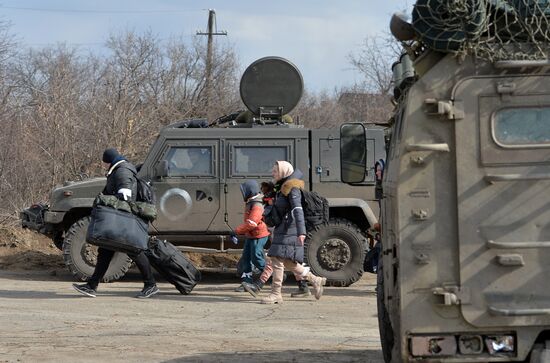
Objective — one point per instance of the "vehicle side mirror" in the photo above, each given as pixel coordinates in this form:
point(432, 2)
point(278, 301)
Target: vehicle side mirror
point(161, 170)
point(353, 153)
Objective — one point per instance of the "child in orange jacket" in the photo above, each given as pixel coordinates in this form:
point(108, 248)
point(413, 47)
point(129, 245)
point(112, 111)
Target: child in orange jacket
point(254, 229)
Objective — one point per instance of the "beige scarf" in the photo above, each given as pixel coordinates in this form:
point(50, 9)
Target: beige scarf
point(285, 169)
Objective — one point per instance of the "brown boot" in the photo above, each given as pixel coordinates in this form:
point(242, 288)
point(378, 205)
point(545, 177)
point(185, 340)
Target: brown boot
point(272, 299)
point(275, 296)
point(318, 283)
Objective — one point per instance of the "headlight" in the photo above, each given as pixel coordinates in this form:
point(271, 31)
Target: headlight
point(500, 344)
point(462, 344)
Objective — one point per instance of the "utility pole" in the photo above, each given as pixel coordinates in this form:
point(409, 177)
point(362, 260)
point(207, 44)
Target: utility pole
point(208, 81)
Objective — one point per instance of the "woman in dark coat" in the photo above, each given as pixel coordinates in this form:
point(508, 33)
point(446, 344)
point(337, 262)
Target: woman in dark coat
point(287, 245)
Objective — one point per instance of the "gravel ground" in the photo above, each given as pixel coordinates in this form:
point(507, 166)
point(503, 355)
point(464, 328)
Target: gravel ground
point(44, 319)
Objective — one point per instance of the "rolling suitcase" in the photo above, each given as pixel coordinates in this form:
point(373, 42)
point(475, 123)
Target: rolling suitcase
point(173, 266)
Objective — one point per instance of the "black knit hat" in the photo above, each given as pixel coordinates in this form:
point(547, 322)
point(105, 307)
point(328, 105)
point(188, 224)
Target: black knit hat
point(109, 155)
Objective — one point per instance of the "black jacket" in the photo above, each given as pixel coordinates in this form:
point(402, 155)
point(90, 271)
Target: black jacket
point(121, 176)
point(289, 204)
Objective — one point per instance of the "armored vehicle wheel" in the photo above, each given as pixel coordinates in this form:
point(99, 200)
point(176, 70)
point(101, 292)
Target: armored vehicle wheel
point(384, 323)
point(336, 250)
point(80, 257)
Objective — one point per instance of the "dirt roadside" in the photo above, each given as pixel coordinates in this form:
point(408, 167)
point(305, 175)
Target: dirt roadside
point(44, 319)
point(22, 249)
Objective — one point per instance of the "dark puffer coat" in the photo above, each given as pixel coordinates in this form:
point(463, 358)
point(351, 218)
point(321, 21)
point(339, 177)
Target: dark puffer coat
point(121, 176)
point(288, 203)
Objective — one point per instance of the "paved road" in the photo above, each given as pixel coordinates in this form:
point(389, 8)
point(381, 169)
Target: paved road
point(43, 319)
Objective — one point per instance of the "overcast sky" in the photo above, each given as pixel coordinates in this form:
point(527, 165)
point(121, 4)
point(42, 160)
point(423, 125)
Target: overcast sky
point(316, 35)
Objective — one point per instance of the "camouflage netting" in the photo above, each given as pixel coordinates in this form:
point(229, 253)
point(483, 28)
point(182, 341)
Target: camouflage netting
point(491, 29)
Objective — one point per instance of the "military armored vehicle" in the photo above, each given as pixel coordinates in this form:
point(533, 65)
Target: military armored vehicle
point(465, 211)
point(196, 173)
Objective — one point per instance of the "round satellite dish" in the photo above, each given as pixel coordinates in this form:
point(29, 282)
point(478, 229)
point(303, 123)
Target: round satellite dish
point(271, 86)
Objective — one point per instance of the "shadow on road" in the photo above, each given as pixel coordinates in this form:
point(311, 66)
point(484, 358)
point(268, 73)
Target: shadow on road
point(62, 274)
point(201, 294)
point(210, 283)
point(302, 356)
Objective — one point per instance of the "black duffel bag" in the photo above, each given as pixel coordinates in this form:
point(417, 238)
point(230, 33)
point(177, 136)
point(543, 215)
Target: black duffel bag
point(173, 265)
point(117, 230)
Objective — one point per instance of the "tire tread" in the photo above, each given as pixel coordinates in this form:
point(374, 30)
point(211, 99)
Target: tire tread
point(68, 242)
point(352, 228)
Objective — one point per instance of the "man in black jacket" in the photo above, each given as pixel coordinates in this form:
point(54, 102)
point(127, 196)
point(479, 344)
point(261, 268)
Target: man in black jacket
point(121, 181)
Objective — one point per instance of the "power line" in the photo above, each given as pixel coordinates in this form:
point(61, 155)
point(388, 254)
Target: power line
point(99, 11)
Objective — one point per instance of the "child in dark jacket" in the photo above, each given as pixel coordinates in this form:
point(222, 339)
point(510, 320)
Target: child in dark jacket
point(254, 229)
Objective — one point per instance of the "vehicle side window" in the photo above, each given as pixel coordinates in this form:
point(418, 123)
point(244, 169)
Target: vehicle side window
point(192, 160)
point(524, 126)
point(257, 160)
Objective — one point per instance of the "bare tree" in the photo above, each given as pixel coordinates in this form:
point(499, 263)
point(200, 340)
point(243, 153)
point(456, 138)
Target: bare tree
point(52, 83)
point(60, 107)
point(184, 80)
point(349, 104)
point(318, 110)
point(374, 60)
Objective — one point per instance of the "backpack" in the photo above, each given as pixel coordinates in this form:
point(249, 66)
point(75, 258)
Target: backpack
point(145, 192)
point(271, 216)
point(145, 204)
point(316, 209)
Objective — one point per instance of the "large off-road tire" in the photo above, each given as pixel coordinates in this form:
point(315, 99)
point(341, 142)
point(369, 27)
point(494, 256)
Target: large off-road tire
point(336, 250)
point(80, 257)
point(384, 323)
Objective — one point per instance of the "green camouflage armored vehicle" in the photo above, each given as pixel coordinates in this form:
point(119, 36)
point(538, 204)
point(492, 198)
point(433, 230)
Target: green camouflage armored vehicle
point(465, 213)
point(196, 173)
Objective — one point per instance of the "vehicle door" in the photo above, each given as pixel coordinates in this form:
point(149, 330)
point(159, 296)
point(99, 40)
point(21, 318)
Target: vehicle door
point(325, 163)
point(251, 159)
point(503, 182)
point(189, 197)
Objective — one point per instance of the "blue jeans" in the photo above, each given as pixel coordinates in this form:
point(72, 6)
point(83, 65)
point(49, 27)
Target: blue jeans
point(253, 254)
